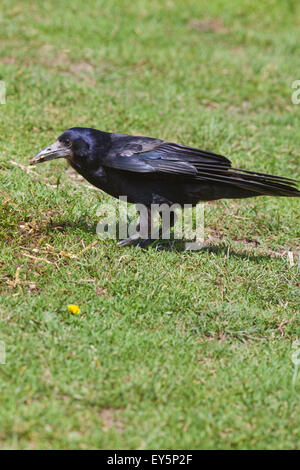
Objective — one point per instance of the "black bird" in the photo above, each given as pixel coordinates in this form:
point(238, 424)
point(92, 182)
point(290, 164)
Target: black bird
point(153, 171)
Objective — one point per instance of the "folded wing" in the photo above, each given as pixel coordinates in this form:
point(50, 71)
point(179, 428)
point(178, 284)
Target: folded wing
point(163, 159)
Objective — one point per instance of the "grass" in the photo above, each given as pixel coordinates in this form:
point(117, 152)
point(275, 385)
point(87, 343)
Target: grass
point(173, 349)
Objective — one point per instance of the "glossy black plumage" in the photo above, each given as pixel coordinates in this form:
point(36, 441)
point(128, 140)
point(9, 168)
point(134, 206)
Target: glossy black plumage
point(148, 170)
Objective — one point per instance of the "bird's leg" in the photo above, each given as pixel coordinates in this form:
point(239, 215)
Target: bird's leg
point(129, 241)
point(160, 232)
point(143, 228)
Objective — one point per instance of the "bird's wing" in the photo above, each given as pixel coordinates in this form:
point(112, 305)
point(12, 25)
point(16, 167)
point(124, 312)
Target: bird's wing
point(142, 155)
point(146, 155)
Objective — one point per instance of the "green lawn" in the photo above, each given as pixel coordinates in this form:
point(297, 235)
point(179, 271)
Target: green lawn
point(172, 349)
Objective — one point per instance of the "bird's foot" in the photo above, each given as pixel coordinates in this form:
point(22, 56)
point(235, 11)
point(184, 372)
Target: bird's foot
point(146, 242)
point(129, 241)
point(136, 241)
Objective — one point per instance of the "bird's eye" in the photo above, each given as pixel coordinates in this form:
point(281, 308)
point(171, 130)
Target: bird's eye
point(67, 141)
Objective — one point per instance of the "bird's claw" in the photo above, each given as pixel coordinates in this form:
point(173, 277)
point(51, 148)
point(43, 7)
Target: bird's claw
point(128, 241)
point(142, 243)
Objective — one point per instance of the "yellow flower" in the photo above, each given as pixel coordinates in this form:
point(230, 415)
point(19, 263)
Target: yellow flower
point(74, 309)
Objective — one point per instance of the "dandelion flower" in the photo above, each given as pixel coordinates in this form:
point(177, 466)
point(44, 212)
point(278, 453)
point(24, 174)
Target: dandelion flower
point(74, 309)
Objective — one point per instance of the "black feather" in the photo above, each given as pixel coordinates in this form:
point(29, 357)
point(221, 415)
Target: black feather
point(148, 170)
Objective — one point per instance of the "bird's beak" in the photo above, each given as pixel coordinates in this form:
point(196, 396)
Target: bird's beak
point(56, 150)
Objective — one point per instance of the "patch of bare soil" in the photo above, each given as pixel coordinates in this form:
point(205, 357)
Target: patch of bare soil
point(109, 420)
point(215, 25)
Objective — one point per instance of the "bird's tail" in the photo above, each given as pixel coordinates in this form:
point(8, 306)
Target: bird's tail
point(245, 183)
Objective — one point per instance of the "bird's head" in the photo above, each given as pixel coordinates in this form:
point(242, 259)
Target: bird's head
point(74, 144)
